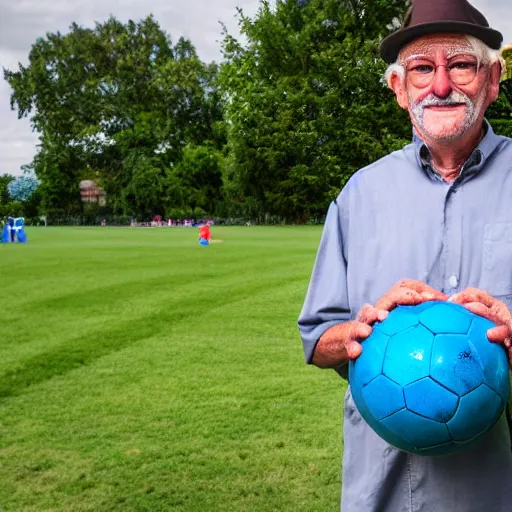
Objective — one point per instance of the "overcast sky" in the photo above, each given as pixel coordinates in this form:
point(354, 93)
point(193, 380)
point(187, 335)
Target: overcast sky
point(22, 21)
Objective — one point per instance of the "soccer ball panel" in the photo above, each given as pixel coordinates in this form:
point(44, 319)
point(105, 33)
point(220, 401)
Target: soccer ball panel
point(408, 354)
point(430, 399)
point(455, 363)
point(492, 357)
point(417, 431)
point(398, 320)
point(369, 364)
point(477, 411)
point(383, 397)
point(446, 318)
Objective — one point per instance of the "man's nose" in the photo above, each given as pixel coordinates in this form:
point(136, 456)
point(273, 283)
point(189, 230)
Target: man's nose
point(442, 84)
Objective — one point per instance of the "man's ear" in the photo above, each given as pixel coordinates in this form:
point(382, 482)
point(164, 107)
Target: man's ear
point(396, 84)
point(495, 74)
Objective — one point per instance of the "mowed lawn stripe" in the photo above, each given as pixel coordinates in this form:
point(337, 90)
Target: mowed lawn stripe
point(56, 316)
point(112, 300)
point(77, 351)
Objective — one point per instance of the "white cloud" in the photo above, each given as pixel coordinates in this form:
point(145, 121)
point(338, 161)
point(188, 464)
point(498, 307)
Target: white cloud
point(21, 22)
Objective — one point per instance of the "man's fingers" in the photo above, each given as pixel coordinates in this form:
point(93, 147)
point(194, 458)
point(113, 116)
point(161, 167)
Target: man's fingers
point(473, 295)
point(478, 309)
point(424, 289)
point(483, 297)
point(405, 297)
point(498, 313)
point(498, 334)
point(370, 315)
point(409, 292)
point(364, 313)
point(413, 284)
point(485, 305)
point(433, 295)
point(354, 350)
point(360, 331)
point(382, 314)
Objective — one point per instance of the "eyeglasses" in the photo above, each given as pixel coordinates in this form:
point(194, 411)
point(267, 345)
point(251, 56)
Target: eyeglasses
point(462, 70)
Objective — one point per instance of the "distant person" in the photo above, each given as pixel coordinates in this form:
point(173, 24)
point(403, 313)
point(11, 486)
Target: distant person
point(205, 234)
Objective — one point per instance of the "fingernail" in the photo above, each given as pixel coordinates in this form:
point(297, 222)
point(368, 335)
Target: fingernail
point(354, 351)
point(428, 295)
point(383, 315)
point(452, 298)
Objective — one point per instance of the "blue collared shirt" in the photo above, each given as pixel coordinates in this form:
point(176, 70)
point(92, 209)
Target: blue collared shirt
point(398, 219)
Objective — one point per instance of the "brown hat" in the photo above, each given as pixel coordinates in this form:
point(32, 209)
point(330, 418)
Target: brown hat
point(439, 17)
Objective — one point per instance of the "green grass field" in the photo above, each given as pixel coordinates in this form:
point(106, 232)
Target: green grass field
point(142, 372)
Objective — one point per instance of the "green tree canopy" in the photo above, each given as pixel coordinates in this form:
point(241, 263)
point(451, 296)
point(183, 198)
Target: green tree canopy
point(199, 175)
point(306, 106)
point(8, 205)
point(113, 104)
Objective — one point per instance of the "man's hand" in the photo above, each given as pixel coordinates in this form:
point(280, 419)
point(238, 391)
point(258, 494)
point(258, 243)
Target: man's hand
point(342, 342)
point(408, 292)
point(483, 304)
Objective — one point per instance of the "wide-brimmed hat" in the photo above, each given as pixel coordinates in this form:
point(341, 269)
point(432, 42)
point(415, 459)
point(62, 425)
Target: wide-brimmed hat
point(439, 17)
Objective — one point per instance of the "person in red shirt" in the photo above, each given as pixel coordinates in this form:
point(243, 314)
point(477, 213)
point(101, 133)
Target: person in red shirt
point(205, 234)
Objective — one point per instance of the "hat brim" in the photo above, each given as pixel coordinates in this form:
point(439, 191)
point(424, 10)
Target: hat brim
point(391, 45)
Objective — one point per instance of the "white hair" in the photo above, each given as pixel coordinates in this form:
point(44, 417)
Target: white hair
point(483, 53)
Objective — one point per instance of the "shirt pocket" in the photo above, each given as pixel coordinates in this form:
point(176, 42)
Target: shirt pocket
point(497, 260)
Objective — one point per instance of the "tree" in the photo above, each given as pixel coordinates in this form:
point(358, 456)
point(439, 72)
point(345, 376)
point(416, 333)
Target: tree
point(5, 179)
point(23, 187)
point(195, 183)
point(306, 106)
point(143, 195)
point(500, 113)
point(111, 104)
point(5, 198)
point(506, 53)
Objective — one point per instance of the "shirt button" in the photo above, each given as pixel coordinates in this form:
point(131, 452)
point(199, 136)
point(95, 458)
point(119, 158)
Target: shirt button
point(453, 282)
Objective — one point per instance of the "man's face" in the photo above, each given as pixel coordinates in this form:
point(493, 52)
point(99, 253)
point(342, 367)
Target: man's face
point(446, 89)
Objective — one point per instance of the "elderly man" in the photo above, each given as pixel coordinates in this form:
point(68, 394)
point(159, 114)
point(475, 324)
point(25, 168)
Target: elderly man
point(432, 221)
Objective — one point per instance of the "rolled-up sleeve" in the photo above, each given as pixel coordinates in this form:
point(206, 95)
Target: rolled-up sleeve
point(326, 301)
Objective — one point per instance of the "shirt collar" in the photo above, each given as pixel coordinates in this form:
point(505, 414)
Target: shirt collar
point(473, 164)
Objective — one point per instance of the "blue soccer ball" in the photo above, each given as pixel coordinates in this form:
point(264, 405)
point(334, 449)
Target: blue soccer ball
point(428, 380)
point(203, 241)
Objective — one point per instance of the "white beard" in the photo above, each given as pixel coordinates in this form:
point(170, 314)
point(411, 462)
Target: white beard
point(473, 110)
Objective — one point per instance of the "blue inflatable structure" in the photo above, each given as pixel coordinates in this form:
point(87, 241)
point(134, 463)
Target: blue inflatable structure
point(14, 231)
